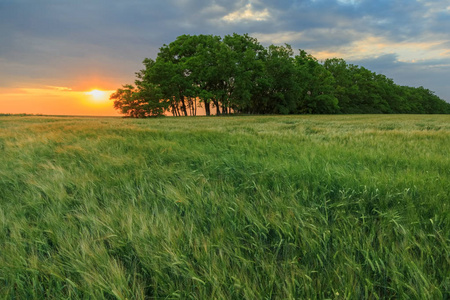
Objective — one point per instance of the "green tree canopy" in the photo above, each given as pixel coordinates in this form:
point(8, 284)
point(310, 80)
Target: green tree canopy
point(237, 74)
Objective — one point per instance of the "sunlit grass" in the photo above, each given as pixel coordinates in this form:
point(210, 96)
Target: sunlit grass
point(340, 207)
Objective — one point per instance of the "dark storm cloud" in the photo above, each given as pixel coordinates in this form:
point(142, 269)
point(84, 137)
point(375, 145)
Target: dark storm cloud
point(58, 40)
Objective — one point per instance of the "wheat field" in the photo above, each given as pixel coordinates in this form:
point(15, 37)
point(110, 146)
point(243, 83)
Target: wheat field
point(243, 207)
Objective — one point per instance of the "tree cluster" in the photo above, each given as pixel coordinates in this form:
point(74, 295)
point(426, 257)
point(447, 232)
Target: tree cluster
point(236, 74)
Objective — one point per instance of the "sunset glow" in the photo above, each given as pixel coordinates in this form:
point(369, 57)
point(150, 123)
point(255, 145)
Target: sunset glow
point(52, 100)
point(98, 96)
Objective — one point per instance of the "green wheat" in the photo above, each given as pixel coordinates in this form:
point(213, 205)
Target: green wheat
point(264, 207)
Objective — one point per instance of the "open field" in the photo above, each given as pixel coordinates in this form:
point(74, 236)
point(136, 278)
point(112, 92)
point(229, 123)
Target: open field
point(264, 207)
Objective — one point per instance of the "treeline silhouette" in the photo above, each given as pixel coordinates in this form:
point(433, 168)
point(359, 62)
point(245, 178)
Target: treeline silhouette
point(236, 74)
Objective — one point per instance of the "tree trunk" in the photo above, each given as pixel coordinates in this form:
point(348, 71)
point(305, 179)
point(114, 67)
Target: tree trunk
point(174, 110)
point(195, 106)
point(191, 106)
point(207, 108)
point(224, 107)
point(216, 103)
point(183, 105)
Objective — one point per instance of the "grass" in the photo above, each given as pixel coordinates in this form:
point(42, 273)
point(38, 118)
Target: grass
point(267, 207)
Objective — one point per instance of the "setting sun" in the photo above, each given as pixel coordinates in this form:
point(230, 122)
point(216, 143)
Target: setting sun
point(98, 95)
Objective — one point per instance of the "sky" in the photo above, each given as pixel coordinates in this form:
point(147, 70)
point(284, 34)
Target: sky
point(54, 53)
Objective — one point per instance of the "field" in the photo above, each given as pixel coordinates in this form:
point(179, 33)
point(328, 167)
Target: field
point(251, 207)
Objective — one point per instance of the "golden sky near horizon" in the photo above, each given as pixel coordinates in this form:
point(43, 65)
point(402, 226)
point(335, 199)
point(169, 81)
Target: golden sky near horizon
point(57, 101)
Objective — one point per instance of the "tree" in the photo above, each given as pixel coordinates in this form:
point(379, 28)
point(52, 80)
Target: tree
point(138, 102)
point(209, 65)
point(246, 67)
point(171, 74)
point(343, 86)
point(277, 89)
point(317, 85)
point(238, 74)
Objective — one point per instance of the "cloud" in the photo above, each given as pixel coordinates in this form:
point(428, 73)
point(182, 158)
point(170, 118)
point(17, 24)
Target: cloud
point(60, 88)
point(247, 13)
point(67, 44)
point(279, 37)
point(349, 2)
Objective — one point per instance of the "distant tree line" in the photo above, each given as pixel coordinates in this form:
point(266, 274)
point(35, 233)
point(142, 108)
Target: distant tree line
point(236, 74)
